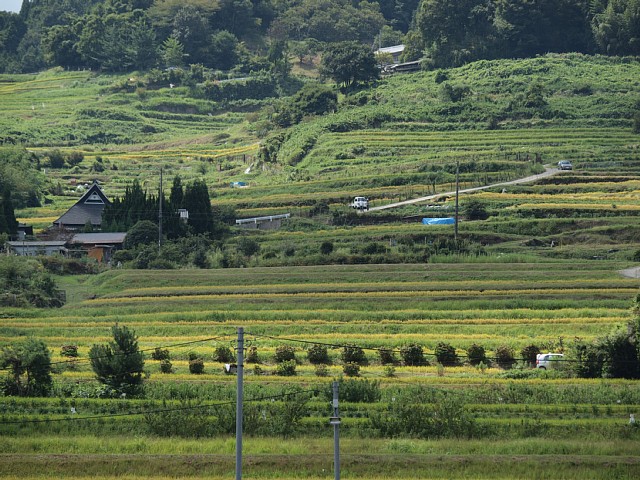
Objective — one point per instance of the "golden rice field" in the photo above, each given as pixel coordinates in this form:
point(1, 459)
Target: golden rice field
point(526, 428)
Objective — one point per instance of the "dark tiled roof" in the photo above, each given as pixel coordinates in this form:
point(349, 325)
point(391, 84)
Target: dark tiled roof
point(78, 215)
point(87, 209)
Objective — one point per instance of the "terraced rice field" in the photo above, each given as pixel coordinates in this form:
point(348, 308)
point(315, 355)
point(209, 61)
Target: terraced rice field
point(529, 423)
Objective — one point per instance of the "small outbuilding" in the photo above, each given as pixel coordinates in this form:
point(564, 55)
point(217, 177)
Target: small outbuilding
point(98, 245)
point(26, 248)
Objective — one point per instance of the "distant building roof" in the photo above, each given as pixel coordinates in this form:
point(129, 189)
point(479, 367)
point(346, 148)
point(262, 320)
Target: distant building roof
point(98, 238)
point(38, 243)
point(394, 49)
point(88, 209)
point(35, 248)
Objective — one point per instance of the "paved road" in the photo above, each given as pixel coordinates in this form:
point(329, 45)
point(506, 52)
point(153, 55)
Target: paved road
point(532, 178)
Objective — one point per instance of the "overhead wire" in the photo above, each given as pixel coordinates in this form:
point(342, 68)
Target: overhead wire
point(160, 410)
point(75, 361)
point(400, 351)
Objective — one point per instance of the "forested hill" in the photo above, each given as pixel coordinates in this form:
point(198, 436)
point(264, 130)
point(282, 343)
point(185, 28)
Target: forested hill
point(253, 35)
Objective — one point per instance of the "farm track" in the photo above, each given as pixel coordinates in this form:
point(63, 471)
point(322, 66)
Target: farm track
point(549, 171)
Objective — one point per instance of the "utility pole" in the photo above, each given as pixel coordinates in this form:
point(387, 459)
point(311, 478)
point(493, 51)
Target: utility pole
point(160, 214)
point(239, 399)
point(455, 228)
point(335, 421)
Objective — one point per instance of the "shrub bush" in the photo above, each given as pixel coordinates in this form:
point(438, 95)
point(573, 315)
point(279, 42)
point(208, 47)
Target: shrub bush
point(351, 369)
point(589, 360)
point(446, 355)
point(160, 354)
point(321, 370)
point(326, 247)
point(387, 356)
point(286, 368)
point(317, 354)
point(353, 354)
point(413, 355)
point(505, 357)
point(285, 353)
point(475, 210)
point(476, 354)
point(196, 366)
point(352, 390)
point(252, 355)
point(166, 366)
point(529, 354)
point(70, 351)
point(223, 354)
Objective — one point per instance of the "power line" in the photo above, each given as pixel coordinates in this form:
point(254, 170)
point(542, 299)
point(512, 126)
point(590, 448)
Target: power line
point(396, 350)
point(160, 410)
point(75, 361)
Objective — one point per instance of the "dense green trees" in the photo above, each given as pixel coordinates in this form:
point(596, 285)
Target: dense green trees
point(332, 20)
point(349, 64)
point(29, 368)
point(311, 99)
point(450, 33)
point(617, 28)
point(137, 205)
point(453, 32)
point(20, 175)
point(24, 283)
point(135, 34)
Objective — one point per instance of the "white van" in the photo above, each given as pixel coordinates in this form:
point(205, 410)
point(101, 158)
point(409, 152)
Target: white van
point(546, 360)
point(360, 203)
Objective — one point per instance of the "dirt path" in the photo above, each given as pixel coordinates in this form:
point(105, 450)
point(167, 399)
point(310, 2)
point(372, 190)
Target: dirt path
point(532, 178)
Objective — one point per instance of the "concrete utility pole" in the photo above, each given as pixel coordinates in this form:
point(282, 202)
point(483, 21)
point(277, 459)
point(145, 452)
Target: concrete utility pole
point(160, 214)
point(239, 399)
point(335, 421)
point(455, 228)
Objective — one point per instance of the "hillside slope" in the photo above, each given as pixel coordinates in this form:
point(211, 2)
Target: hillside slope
point(399, 139)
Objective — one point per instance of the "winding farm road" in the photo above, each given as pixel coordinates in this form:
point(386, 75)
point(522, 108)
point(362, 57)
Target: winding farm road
point(532, 178)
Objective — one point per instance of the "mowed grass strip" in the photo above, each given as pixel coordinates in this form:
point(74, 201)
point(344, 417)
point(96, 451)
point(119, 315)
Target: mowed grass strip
point(312, 466)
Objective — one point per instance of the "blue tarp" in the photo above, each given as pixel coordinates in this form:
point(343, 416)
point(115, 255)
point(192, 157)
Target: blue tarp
point(439, 221)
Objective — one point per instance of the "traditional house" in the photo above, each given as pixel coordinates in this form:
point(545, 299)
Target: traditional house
point(97, 245)
point(86, 210)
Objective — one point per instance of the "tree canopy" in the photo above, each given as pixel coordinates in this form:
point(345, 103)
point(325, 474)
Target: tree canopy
point(349, 63)
point(118, 35)
point(29, 365)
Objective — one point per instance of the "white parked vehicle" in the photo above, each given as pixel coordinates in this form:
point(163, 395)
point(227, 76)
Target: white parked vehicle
point(565, 165)
point(360, 203)
point(548, 360)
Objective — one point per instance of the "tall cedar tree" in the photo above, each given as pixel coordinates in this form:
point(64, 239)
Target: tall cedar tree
point(8, 222)
point(197, 202)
